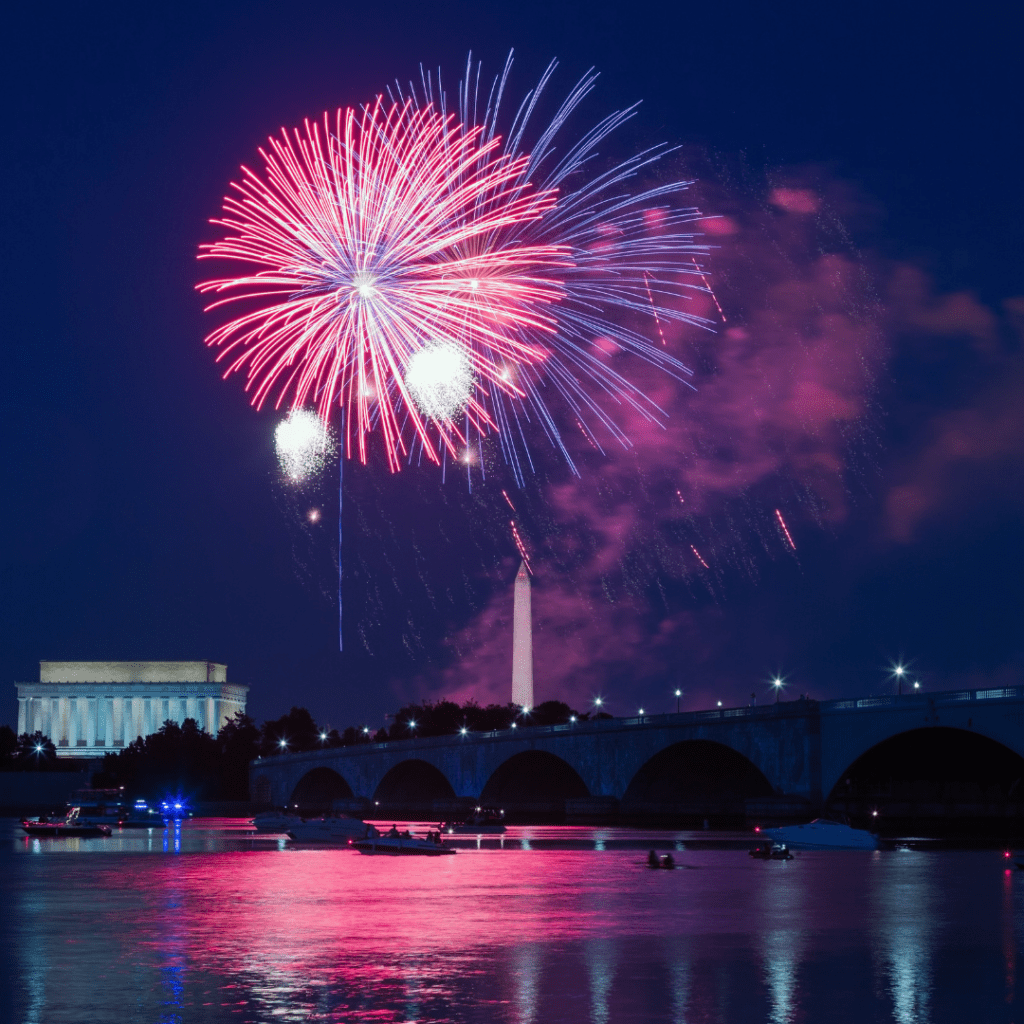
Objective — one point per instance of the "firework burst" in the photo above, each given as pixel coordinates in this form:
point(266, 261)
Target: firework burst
point(369, 235)
point(412, 271)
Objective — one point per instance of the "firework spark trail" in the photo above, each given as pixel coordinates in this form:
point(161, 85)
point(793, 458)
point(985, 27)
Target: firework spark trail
point(711, 292)
point(520, 546)
point(785, 529)
point(654, 309)
point(504, 494)
point(699, 559)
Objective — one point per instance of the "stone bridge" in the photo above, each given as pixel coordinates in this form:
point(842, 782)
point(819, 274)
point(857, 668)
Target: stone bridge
point(703, 762)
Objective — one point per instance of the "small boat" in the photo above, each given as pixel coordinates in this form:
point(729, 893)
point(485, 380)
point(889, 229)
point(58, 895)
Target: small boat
point(340, 829)
point(771, 851)
point(665, 862)
point(483, 821)
point(73, 825)
point(142, 816)
point(275, 821)
point(404, 844)
point(822, 834)
point(100, 806)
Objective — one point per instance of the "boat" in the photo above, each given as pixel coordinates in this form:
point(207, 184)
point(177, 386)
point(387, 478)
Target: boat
point(73, 825)
point(405, 844)
point(275, 821)
point(101, 806)
point(666, 861)
point(142, 816)
point(340, 829)
point(771, 851)
point(483, 821)
point(822, 834)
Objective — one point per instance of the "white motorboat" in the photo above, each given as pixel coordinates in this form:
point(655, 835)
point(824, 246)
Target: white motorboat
point(404, 844)
point(822, 834)
point(340, 829)
point(275, 821)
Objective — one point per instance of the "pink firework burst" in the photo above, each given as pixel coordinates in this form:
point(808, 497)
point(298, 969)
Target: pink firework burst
point(388, 278)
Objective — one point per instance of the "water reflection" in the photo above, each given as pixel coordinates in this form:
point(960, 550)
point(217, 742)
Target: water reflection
point(903, 899)
point(783, 903)
point(250, 931)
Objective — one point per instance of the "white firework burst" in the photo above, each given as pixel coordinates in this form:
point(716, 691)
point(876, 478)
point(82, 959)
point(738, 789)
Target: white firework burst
point(303, 444)
point(440, 379)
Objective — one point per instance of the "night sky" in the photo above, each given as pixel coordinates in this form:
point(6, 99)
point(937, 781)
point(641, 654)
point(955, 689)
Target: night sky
point(867, 383)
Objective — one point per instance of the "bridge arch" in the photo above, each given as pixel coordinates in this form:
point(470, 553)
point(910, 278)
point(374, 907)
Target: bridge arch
point(413, 783)
point(534, 782)
point(930, 767)
point(319, 788)
point(696, 777)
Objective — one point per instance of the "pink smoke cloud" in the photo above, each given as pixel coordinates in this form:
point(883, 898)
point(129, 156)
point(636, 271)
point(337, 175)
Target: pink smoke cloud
point(781, 389)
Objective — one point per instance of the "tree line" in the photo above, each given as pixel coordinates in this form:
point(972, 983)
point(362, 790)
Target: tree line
point(186, 760)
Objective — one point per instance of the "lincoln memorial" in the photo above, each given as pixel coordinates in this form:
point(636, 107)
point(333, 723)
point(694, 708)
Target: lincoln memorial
point(90, 707)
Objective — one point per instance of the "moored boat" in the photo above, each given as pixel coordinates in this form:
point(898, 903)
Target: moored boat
point(100, 806)
point(483, 821)
point(340, 829)
point(822, 834)
point(275, 821)
point(73, 825)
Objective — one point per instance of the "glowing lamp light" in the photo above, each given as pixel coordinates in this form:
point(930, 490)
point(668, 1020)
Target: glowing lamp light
point(366, 729)
point(898, 670)
point(572, 718)
point(282, 743)
point(463, 730)
point(917, 686)
point(39, 748)
point(412, 724)
point(719, 703)
point(679, 693)
point(513, 725)
point(641, 711)
point(598, 701)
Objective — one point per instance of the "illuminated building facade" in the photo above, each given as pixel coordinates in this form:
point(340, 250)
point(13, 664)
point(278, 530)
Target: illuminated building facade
point(90, 707)
point(522, 641)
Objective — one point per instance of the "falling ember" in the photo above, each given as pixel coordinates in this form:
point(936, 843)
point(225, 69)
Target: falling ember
point(782, 523)
point(509, 500)
point(711, 292)
point(682, 500)
point(520, 546)
point(654, 309)
point(699, 559)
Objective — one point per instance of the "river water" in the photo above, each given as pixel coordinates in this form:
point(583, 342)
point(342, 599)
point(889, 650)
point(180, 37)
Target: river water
point(205, 923)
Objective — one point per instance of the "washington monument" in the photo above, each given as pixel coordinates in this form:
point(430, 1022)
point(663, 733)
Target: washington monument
point(522, 642)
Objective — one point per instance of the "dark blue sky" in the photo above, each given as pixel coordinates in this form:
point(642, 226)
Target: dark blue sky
point(143, 516)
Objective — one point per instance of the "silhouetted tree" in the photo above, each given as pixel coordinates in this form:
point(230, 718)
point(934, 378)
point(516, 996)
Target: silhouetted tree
point(297, 729)
point(551, 712)
point(8, 746)
point(239, 742)
point(35, 752)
